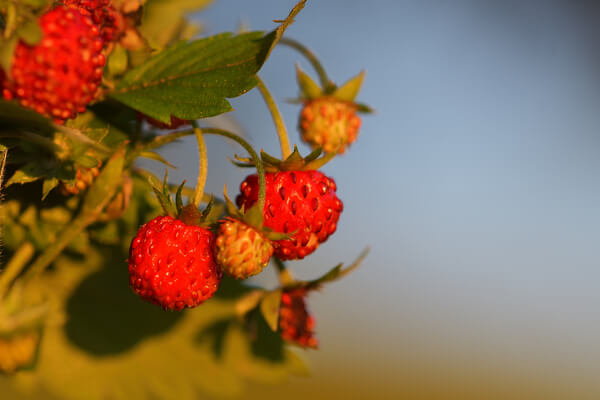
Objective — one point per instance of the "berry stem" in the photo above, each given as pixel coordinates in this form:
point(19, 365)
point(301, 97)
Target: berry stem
point(15, 266)
point(277, 119)
point(311, 57)
point(259, 166)
point(202, 167)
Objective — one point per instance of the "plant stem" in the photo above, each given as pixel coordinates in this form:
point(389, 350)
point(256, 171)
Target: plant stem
point(311, 57)
point(15, 266)
point(277, 119)
point(259, 167)
point(64, 238)
point(202, 165)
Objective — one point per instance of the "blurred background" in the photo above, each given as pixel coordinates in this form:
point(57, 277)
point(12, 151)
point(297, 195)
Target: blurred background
point(475, 184)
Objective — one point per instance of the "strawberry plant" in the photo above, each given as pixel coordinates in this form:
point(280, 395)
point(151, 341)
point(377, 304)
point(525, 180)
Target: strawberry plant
point(115, 283)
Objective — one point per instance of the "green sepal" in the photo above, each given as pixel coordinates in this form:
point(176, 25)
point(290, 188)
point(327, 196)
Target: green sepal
point(349, 90)
point(163, 195)
point(269, 308)
point(309, 89)
point(156, 157)
point(336, 272)
point(178, 199)
point(295, 161)
point(363, 108)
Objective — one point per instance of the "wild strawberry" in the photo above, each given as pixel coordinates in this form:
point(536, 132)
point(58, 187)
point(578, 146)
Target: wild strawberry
point(241, 250)
point(171, 264)
point(302, 204)
point(18, 351)
point(328, 118)
point(102, 12)
point(296, 325)
point(329, 123)
point(59, 76)
point(83, 179)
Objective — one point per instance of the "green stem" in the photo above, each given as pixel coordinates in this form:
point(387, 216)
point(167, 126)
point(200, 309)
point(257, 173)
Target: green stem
point(259, 166)
point(202, 165)
point(311, 57)
point(15, 266)
point(277, 119)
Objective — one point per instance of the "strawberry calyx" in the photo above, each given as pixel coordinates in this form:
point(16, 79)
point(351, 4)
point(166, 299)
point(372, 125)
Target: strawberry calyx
point(188, 214)
point(346, 93)
point(295, 162)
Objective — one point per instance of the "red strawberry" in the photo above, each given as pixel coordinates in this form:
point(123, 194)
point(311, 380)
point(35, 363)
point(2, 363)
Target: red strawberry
point(171, 264)
point(60, 75)
point(303, 202)
point(296, 325)
point(103, 14)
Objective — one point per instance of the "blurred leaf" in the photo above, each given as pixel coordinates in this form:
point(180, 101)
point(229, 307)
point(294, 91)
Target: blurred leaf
point(48, 185)
point(117, 61)
point(192, 80)
point(13, 115)
point(163, 19)
point(30, 172)
point(105, 185)
point(269, 307)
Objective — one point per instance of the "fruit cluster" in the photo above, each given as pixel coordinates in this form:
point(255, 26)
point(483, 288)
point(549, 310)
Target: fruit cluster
point(284, 211)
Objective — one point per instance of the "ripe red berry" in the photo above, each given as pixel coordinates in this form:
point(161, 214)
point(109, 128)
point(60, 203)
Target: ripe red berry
point(109, 20)
point(241, 250)
point(296, 325)
point(300, 201)
point(171, 264)
point(59, 76)
point(329, 123)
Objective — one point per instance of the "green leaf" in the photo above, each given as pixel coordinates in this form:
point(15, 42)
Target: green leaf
point(269, 307)
point(48, 185)
point(309, 88)
point(349, 90)
point(30, 172)
point(192, 80)
point(13, 115)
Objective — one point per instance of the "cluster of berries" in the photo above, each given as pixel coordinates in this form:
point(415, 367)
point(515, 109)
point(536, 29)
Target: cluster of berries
point(287, 212)
point(61, 74)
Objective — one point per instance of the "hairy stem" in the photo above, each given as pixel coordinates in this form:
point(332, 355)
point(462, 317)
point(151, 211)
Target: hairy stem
point(259, 167)
point(311, 57)
point(202, 165)
point(277, 119)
